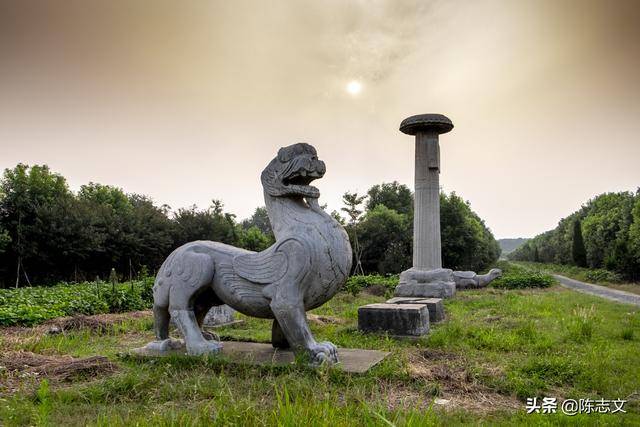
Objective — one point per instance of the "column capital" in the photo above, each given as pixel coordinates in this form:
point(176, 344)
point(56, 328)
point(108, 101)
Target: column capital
point(427, 123)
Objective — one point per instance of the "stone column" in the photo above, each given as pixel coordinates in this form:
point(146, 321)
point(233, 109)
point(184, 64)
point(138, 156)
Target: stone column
point(426, 209)
point(427, 277)
point(426, 216)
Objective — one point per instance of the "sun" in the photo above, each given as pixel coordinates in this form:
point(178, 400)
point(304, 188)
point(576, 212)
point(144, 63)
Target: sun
point(354, 87)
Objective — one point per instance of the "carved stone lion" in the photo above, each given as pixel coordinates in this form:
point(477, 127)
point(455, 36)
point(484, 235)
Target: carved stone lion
point(306, 266)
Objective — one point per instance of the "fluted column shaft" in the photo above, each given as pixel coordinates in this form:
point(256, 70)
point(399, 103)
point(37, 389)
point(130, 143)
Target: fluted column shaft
point(426, 213)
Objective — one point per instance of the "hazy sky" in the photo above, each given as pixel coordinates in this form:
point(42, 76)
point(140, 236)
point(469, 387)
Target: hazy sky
point(186, 101)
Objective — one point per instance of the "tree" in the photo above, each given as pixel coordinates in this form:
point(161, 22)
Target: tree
point(27, 193)
point(607, 226)
point(4, 239)
point(259, 219)
point(467, 244)
point(579, 253)
point(353, 202)
point(393, 195)
point(254, 239)
point(386, 241)
point(112, 216)
point(210, 224)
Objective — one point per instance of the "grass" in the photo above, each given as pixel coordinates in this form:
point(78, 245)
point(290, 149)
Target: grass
point(496, 348)
point(596, 276)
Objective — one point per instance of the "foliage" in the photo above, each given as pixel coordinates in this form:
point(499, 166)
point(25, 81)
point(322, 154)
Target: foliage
point(523, 279)
point(352, 203)
point(255, 240)
point(467, 243)
point(393, 195)
point(610, 229)
point(386, 232)
point(578, 251)
point(592, 275)
point(385, 236)
point(32, 305)
point(208, 224)
point(49, 234)
point(260, 220)
point(356, 284)
point(4, 240)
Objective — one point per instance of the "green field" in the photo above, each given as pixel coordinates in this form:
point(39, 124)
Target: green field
point(496, 348)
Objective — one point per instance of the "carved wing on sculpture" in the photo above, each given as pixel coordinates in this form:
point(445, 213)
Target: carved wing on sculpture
point(264, 267)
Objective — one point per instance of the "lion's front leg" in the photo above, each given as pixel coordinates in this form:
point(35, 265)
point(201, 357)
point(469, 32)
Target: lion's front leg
point(288, 309)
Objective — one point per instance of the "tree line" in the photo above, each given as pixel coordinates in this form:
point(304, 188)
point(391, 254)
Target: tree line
point(382, 232)
point(49, 233)
point(603, 233)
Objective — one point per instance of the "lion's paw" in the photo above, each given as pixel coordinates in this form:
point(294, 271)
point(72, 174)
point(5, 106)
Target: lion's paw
point(206, 347)
point(323, 352)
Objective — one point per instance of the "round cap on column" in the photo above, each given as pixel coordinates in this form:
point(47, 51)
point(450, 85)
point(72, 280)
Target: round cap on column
point(426, 123)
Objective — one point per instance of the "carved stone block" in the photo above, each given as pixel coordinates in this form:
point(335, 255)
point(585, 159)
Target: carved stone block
point(435, 306)
point(219, 315)
point(427, 290)
point(397, 319)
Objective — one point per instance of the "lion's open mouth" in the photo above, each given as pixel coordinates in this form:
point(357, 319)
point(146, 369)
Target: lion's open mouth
point(301, 177)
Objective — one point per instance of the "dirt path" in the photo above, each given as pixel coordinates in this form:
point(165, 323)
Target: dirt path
point(599, 291)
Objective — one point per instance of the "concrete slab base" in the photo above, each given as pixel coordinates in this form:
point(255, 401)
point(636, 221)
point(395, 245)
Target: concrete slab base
point(351, 360)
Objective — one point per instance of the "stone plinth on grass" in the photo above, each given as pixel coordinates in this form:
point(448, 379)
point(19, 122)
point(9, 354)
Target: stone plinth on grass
point(351, 360)
point(396, 319)
point(435, 306)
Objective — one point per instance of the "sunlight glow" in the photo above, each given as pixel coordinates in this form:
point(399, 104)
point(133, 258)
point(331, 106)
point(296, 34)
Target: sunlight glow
point(354, 87)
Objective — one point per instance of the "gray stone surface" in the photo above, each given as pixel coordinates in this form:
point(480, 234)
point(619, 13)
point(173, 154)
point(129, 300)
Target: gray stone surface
point(430, 290)
point(417, 275)
point(306, 266)
point(219, 315)
point(471, 280)
point(397, 319)
point(351, 360)
point(435, 306)
point(426, 220)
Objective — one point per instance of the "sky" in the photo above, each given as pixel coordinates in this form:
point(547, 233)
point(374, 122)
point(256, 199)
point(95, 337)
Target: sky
point(187, 101)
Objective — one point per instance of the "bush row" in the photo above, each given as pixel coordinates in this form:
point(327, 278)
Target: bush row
point(518, 277)
point(29, 306)
point(381, 284)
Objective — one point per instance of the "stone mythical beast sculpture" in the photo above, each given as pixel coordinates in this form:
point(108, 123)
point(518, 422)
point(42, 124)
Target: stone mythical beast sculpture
point(306, 266)
point(469, 279)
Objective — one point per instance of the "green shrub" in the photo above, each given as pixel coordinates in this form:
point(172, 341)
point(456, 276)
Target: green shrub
point(33, 305)
point(521, 279)
point(600, 275)
point(355, 284)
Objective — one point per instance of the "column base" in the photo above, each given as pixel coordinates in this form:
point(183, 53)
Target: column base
point(437, 283)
